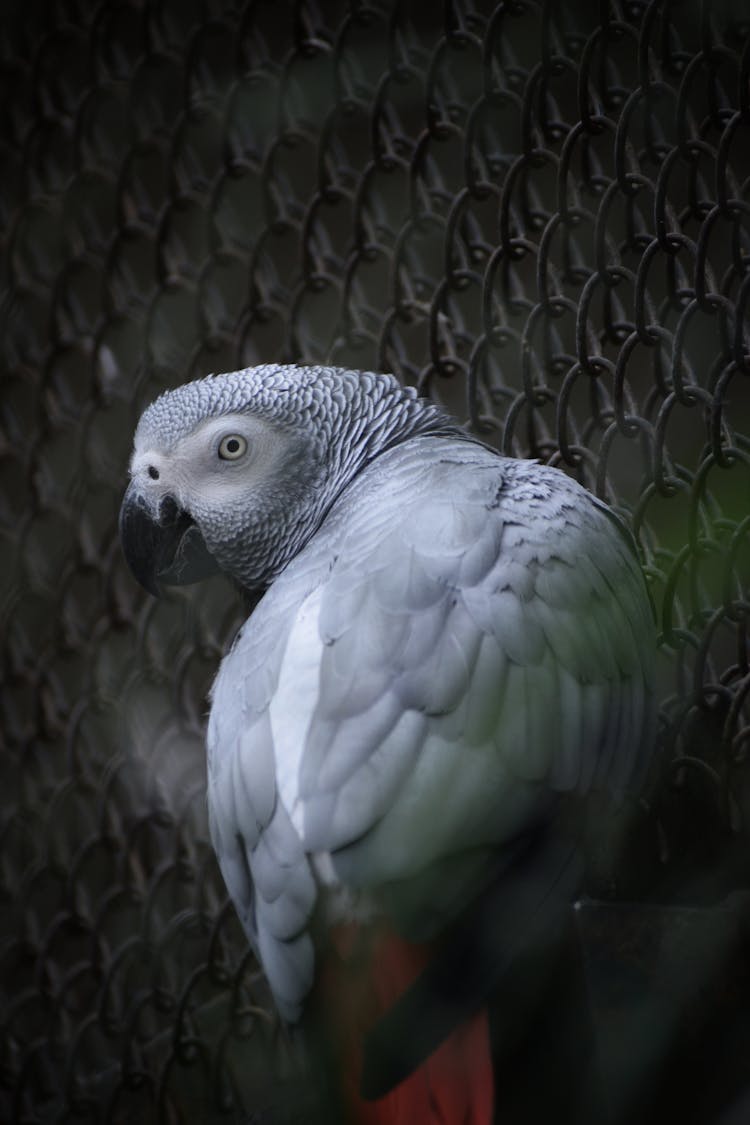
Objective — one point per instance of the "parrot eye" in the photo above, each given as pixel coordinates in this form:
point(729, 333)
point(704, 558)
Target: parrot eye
point(232, 447)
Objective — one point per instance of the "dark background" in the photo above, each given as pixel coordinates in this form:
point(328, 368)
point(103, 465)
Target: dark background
point(538, 213)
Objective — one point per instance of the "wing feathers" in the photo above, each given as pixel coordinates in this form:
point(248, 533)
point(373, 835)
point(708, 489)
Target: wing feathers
point(351, 679)
point(333, 819)
point(540, 723)
point(334, 749)
point(404, 586)
point(254, 774)
point(289, 966)
point(566, 763)
point(499, 612)
point(439, 683)
point(462, 638)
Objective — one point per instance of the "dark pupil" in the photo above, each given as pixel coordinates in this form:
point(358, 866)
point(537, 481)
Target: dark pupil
point(232, 445)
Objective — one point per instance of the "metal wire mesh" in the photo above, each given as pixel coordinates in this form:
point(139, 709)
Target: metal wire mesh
point(537, 212)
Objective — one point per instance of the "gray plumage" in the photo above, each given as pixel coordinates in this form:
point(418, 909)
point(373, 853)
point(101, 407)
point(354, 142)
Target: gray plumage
point(448, 639)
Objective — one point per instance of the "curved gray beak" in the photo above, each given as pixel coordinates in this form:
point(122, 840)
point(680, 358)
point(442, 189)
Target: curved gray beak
point(163, 547)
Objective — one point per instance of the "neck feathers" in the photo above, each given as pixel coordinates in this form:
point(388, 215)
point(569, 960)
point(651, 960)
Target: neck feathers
point(371, 413)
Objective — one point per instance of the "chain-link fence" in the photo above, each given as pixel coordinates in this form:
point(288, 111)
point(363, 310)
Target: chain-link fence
point(536, 211)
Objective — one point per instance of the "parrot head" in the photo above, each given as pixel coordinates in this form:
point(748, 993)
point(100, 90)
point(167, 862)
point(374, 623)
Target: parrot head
point(235, 472)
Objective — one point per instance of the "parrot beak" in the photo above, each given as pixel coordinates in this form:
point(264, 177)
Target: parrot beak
point(163, 547)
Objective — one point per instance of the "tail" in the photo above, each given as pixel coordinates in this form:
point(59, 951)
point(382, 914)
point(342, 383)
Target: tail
point(365, 974)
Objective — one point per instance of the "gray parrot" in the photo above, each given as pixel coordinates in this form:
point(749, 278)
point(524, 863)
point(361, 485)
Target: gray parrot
point(447, 645)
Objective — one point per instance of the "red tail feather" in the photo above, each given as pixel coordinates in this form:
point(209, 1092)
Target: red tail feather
point(360, 982)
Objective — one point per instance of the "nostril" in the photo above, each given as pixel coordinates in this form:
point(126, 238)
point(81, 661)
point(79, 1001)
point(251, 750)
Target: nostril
point(153, 473)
